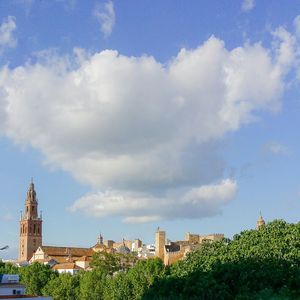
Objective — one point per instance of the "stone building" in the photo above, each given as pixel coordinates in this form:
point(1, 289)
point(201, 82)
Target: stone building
point(173, 251)
point(198, 239)
point(30, 226)
point(160, 242)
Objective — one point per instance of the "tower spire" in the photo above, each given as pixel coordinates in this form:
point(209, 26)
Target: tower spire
point(100, 239)
point(260, 222)
point(31, 194)
point(30, 226)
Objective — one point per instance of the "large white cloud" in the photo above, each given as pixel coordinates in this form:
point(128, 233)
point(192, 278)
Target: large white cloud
point(136, 126)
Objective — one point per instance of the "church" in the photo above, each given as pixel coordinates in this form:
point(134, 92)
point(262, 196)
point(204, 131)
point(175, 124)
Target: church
point(32, 249)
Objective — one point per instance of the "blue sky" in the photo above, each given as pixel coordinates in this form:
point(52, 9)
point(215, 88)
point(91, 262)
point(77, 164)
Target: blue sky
point(135, 114)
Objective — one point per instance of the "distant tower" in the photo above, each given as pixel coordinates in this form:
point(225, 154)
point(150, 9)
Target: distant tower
point(30, 226)
point(100, 239)
point(160, 242)
point(260, 222)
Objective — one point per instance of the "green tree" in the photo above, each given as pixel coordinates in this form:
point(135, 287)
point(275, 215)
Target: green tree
point(118, 287)
point(8, 268)
point(143, 274)
point(256, 264)
point(113, 262)
point(132, 284)
point(35, 277)
point(108, 262)
point(92, 284)
point(63, 287)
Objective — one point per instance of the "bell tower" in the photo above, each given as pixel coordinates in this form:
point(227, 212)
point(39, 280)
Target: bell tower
point(260, 222)
point(30, 226)
point(160, 242)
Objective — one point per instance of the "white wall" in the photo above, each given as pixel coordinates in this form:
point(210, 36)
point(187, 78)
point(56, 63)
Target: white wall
point(5, 291)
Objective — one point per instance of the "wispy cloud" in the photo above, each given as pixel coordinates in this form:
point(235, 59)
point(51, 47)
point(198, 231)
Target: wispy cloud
point(248, 5)
point(297, 25)
point(105, 14)
point(69, 5)
point(275, 148)
point(27, 5)
point(7, 217)
point(7, 28)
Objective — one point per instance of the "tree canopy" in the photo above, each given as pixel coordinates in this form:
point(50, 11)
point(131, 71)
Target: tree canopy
point(255, 264)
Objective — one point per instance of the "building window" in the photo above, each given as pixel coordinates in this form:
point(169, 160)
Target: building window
point(34, 228)
point(32, 208)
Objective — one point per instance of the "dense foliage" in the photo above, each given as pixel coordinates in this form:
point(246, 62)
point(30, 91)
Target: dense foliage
point(255, 264)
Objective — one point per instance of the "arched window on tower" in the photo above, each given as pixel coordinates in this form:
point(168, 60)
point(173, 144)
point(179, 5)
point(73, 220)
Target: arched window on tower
point(34, 228)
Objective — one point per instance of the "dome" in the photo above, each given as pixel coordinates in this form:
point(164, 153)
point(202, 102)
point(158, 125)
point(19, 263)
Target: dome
point(123, 249)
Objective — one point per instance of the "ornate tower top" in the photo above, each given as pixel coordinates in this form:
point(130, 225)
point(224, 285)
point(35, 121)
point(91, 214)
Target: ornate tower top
point(31, 194)
point(31, 203)
point(260, 222)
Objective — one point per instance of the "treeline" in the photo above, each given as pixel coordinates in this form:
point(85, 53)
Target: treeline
point(255, 264)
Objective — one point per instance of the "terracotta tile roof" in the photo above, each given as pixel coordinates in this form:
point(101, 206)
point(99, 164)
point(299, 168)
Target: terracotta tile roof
point(66, 251)
point(84, 258)
point(66, 266)
point(59, 259)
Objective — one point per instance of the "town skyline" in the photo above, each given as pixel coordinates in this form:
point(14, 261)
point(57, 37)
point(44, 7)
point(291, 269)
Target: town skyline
point(131, 116)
